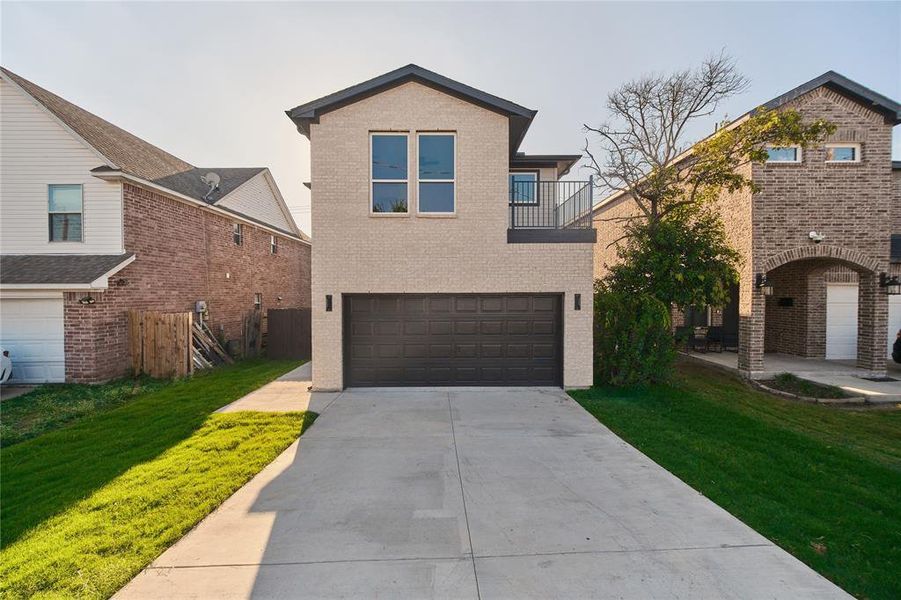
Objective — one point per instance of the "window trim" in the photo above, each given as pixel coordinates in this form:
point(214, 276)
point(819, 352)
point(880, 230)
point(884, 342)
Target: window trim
point(799, 157)
point(273, 245)
point(373, 181)
point(857, 153)
point(420, 213)
point(537, 173)
point(238, 233)
point(50, 239)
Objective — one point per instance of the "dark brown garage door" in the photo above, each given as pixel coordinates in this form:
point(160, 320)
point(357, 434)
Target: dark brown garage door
point(451, 339)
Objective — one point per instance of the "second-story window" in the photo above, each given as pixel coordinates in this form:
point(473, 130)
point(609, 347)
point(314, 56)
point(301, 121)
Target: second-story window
point(523, 188)
point(788, 154)
point(842, 153)
point(436, 173)
point(388, 173)
point(65, 212)
point(238, 234)
point(273, 244)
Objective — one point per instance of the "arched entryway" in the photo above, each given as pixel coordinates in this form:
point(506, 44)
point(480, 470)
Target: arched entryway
point(826, 303)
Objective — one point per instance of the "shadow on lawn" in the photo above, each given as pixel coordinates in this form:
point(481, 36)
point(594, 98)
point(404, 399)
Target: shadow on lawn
point(45, 475)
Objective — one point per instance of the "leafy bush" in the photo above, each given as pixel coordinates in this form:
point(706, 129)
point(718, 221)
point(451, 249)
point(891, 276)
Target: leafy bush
point(633, 341)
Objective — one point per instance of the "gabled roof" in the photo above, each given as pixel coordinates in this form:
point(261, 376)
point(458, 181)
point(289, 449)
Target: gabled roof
point(520, 116)
point(129, 154)
point(846, 87)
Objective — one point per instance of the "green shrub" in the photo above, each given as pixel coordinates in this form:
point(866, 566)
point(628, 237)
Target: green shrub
point(633, 340)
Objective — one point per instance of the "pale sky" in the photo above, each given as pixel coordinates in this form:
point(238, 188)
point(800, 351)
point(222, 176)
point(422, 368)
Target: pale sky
point(209, 82)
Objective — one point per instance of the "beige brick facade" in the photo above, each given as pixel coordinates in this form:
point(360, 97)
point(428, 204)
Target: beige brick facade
point(466, 253)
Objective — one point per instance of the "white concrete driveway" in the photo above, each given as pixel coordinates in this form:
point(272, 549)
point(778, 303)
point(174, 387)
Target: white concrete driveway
point(470, 494)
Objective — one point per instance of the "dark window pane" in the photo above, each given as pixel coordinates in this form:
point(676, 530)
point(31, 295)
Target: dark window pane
point(389, 157)
point(65, 227)
point(436, 157)
point(389, 197)
point(65, 198)
point(782, 154)
point(523, 187)
point(436, 197)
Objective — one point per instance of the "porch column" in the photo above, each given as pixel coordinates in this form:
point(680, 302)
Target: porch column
point(872, 324)
point(751, 325)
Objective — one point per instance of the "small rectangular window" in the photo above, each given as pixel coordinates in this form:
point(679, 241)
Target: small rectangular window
point(437, 162)
point(836, 153)
point(239, 234)
point(388, 173)
point(65, 213)
point(789, 154)
point(273, 244)
point(257, 301)
point(523, 188)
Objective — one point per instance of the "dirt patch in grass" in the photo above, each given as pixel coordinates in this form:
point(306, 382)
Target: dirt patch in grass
point(792, 384)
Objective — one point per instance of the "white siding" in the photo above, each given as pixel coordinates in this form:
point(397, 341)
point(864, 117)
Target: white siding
point(257, 199)
point(35, 151)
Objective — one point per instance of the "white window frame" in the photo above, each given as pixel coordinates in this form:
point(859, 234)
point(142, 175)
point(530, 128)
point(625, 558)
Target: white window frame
point(372, 180)
point(453, 135)
point(799, 158)
point(50, 212)
point(857, 151)
point(537, 175)
point(273, 244)
point(238, 234)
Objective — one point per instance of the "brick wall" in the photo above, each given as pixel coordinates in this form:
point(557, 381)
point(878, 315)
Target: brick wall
point(183, 254)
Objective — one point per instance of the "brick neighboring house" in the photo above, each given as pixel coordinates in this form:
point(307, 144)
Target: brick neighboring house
point(443, 256)
point(826, 300)
point(95, 221)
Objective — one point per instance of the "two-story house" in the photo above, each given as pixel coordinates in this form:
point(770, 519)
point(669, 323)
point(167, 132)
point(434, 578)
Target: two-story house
point(95, 221)
point(820, 242)
point(443, 256)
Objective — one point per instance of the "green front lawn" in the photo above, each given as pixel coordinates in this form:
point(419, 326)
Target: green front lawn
point(821, 482)
point(55, 405)
point(85, 507)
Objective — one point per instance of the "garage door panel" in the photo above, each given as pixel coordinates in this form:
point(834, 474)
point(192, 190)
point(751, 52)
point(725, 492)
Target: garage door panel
point(31, 329)
point(458, 340)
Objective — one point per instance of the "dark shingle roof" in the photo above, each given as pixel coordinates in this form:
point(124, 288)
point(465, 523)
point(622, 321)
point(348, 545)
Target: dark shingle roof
point(847, 87)
point(57, 268)
point(131, 154)
point(520, 116)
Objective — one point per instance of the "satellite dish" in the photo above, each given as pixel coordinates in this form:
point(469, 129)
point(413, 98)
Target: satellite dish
point(212, 180)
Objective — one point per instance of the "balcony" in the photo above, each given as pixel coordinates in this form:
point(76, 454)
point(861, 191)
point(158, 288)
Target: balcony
point(550, 212)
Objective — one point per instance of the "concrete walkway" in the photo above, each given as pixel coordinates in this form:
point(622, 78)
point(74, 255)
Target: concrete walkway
point(470, 494)
point(290, 392)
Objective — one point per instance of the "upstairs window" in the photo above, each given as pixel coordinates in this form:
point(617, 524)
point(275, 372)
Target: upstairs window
point(238, 234)
point(273, 244)
point(523, 188)
point(65, 212)
point(788, 154)
point(436, 173)
point(388, 173)
point(842, 153)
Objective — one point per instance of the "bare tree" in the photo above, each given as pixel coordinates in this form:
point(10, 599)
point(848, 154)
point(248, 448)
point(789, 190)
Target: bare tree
point(645, 150)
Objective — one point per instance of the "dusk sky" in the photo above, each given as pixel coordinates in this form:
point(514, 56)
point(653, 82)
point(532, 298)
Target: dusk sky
point(209, 82)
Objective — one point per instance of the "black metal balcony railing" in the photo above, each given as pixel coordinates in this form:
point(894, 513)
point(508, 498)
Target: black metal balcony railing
point(550, 204)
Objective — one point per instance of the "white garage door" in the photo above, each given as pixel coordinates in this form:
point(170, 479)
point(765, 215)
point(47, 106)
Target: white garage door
point(894, 320)
point(841, 321)
point(31, 329)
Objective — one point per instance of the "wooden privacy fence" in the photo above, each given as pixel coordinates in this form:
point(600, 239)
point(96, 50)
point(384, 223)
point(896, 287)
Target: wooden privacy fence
point(160, 343)
point(288, 333)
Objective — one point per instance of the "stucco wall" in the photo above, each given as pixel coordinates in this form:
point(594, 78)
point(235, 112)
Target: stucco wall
point(358, 253)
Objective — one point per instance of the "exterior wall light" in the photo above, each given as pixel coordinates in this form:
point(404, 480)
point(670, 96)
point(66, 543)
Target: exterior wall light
point(891, 284)
point(764, 285)
point(86, 300)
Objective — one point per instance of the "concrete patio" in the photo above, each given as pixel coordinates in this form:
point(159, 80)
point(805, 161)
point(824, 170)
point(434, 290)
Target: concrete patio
point(839, 373)
point(477, 493)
